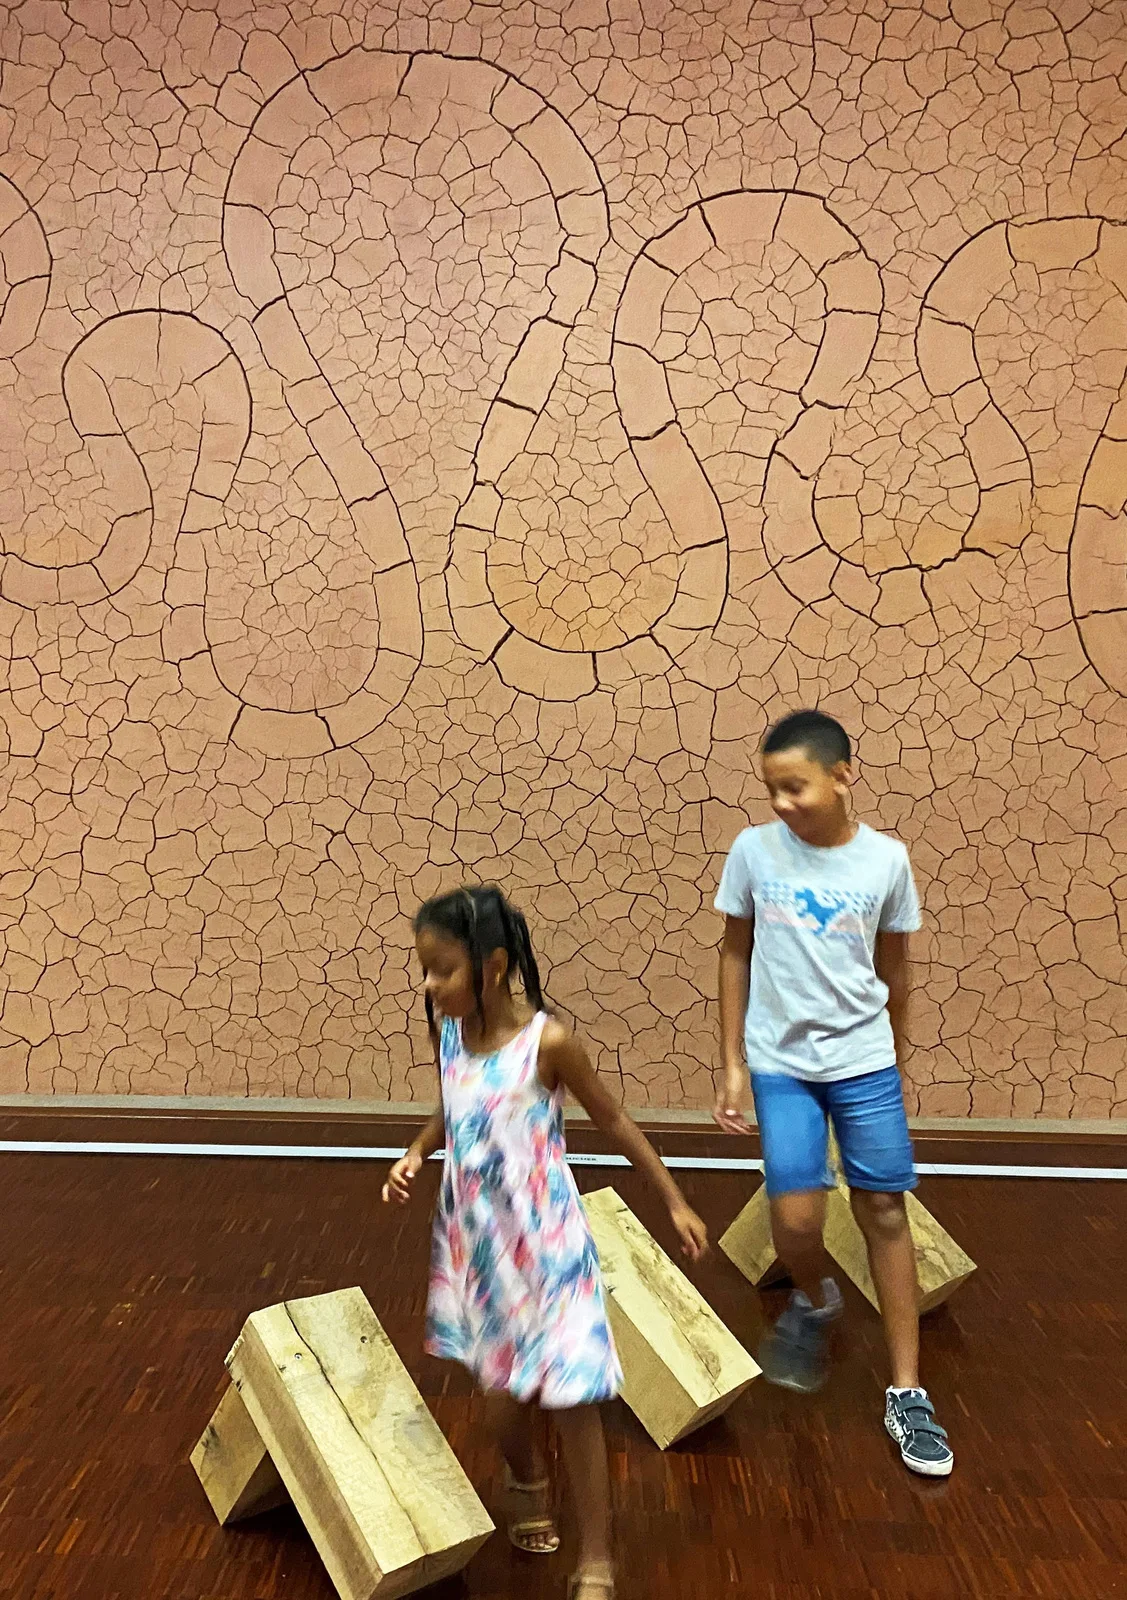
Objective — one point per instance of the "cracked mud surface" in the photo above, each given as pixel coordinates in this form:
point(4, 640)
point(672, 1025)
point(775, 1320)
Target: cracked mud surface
point(434, 443)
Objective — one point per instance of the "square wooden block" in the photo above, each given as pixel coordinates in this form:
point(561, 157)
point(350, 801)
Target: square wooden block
point(941, 1264)
point(381, 1493)
point(680, 1365)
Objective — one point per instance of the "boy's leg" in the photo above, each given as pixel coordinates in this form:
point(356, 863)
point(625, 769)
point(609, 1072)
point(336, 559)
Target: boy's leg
point(793, 1133)
point(883, 1219)
point(876, 1154)
point(794, 1137)
point(797, 1224)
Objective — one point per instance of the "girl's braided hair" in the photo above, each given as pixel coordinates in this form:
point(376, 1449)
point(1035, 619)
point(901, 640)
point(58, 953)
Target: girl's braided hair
point(484, 921)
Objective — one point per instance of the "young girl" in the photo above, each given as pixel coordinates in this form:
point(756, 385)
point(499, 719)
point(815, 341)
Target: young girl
point(515, 1292)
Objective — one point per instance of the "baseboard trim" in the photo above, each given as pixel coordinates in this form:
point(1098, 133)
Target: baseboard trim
point(224, 1108)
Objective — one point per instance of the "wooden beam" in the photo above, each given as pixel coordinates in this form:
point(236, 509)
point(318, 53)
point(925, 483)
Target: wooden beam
point(750, 1245)
point(233, 1465)
point(941, 1264)
point(379, 1490)
point(681, 1366)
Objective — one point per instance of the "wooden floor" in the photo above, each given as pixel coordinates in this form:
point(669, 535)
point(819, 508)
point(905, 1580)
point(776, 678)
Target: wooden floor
point(125, 1280)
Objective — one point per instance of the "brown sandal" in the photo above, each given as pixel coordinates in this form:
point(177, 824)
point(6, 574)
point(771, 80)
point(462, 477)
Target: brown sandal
point(536, 1536)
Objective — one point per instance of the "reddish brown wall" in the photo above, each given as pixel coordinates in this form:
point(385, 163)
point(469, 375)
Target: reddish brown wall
point(434, 447)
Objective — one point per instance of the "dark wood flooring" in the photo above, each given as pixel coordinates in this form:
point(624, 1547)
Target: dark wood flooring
point(126, 1279)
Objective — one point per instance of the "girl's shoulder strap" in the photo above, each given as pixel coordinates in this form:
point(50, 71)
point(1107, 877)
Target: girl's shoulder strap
point(539, 1023)
point(449, 1040)
point(536, 1035)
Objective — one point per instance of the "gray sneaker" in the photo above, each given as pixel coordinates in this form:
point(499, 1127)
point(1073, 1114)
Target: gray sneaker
point(794, 1354)
point(909, 1417)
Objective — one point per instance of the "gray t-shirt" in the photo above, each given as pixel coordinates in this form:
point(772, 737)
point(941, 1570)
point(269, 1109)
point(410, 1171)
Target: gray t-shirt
point(816, 1008)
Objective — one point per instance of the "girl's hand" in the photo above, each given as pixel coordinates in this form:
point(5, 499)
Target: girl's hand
point(690, 1230)
point(400, 1178)
point(727, 1110)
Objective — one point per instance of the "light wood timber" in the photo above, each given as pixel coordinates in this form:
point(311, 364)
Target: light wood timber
point(233, 1464)
point(381, 1494)
point(681, 1366)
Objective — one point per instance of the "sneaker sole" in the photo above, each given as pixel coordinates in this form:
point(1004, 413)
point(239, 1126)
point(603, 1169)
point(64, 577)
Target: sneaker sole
point(794, 1385)
point(928, 1469)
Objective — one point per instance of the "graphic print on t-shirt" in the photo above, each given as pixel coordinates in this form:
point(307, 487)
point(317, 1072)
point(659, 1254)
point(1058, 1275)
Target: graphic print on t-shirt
point(826, 913)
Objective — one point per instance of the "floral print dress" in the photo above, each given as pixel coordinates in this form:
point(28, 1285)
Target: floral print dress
point(515, 1290)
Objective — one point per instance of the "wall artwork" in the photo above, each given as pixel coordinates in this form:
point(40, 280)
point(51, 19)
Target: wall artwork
point(434, 443)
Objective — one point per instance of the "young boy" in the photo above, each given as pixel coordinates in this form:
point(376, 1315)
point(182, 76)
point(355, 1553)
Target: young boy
point(814, 975)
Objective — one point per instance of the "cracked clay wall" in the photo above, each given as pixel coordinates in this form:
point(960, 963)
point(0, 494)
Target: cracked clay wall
point(432, 445)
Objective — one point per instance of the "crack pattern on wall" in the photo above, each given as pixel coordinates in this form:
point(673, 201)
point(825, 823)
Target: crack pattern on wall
point(434, 446)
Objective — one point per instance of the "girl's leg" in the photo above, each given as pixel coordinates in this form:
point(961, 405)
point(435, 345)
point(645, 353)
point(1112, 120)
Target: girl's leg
point(511, 1424)
point(585, 1458)
point(530, 1514)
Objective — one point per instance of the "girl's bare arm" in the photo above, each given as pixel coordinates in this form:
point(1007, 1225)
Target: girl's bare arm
point(431, 1137)
point(563, 1060)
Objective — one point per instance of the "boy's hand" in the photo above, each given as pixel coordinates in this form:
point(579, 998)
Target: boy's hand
point(728, 1109)
point(399, 1179)
point(690, 1230)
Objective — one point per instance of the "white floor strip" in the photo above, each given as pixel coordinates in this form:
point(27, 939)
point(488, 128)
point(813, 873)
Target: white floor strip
point(328, 1152)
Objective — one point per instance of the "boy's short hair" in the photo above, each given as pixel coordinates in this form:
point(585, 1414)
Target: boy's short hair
point(824, 740)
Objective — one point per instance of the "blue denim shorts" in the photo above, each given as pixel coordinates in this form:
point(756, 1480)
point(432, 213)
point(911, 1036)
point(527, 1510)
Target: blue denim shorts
point(868, 1118)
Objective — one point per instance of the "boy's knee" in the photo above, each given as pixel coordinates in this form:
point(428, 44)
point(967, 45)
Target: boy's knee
point(882, 1216)
point(797, 1222)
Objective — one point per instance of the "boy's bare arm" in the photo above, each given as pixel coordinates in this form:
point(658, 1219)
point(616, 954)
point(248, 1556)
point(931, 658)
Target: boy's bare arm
point(894, 969)
point(735, 974)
